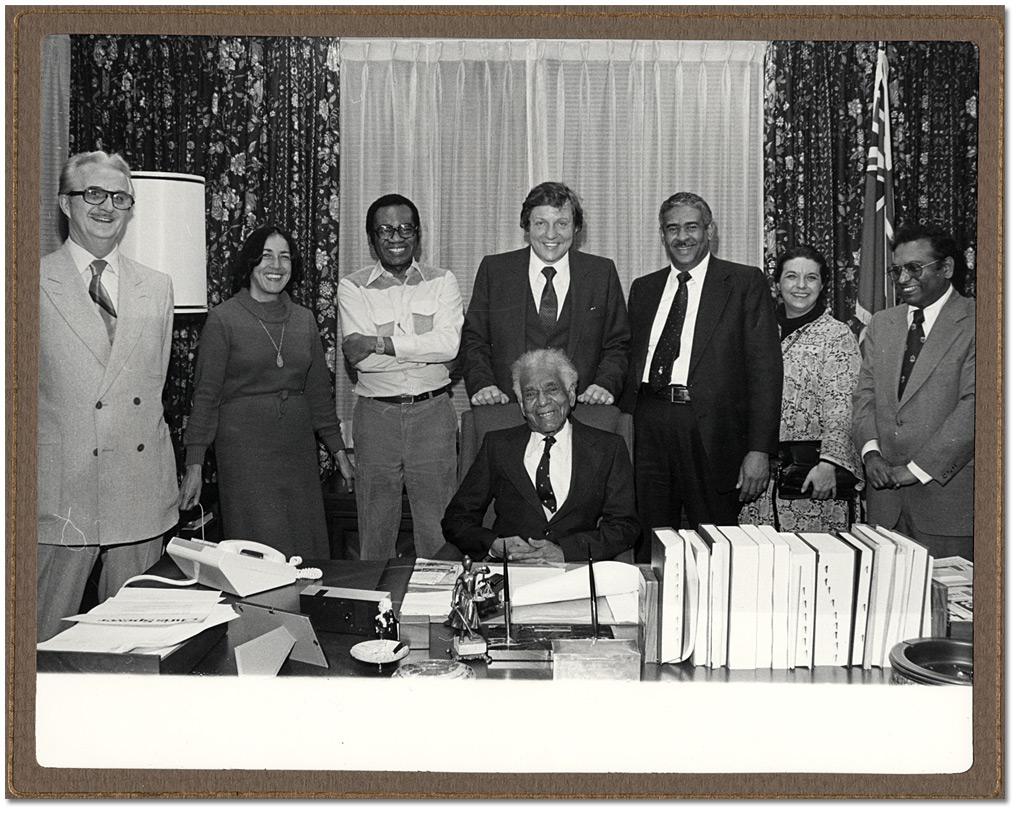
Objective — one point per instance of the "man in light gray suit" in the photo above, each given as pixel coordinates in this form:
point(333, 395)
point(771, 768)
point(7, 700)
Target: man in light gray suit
point(914, 405)
point(107, 475)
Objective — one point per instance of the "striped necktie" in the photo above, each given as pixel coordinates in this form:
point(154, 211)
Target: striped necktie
point(101, 297)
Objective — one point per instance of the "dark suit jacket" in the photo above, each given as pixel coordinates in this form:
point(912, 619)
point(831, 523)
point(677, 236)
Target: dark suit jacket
point(736, 373)
point(599, 509)
point(932, 425)
point(494, 327)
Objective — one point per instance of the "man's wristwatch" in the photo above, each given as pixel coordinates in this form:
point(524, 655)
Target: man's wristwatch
point(380, 345)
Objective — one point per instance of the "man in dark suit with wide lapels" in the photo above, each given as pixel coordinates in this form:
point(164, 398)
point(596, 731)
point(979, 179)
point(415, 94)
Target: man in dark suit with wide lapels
point(547, 295)
point(914, 405)
point(107, 474)
point(705, 381)
point(561, 488)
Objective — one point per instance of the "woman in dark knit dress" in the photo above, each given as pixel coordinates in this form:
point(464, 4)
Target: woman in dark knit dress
point(262, 391)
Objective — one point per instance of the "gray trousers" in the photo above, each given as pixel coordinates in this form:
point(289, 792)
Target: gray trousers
point(64, 571)
point(398, 446)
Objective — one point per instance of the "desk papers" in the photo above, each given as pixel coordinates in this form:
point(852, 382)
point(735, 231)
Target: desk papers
point(151, 607)
point(85, 637)
point(434, 604)
point(433, 574)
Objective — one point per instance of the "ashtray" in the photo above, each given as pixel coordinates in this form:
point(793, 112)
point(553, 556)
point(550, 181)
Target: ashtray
point(933, 661)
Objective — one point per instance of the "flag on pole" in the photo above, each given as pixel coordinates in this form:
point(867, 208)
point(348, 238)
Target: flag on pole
point(874, 289)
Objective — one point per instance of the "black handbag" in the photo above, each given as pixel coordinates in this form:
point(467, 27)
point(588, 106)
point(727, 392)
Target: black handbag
point(795, 460)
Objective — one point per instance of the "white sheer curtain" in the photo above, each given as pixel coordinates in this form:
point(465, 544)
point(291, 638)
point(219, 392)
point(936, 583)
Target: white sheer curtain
point(465, 128)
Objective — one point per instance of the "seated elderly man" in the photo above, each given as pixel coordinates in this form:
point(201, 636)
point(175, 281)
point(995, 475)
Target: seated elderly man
point(560, 486)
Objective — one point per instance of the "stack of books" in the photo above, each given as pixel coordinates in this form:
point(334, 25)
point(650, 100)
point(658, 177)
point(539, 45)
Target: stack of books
point(953, 597)
point(749, 597)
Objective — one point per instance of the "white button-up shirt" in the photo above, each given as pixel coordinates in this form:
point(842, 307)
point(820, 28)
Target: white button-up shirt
point(423, 315)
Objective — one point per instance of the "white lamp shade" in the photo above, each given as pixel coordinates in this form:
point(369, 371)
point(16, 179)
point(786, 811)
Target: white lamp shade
point(167, 232)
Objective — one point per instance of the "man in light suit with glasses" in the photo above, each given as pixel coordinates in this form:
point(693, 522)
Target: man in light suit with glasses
point(107, 472)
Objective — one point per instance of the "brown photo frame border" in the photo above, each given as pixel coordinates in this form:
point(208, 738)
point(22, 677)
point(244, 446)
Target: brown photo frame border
point(27, 25)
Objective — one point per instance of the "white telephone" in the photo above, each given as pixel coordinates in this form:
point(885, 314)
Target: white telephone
point(239, 567)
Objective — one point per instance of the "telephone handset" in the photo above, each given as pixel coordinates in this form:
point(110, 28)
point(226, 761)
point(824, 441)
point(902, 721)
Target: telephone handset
point(240, 567)
point(249, 548)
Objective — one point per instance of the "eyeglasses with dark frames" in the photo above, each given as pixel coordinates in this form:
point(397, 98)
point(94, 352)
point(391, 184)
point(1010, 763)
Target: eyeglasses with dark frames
point(96, 195)
point(405, 230)
point(915, 269)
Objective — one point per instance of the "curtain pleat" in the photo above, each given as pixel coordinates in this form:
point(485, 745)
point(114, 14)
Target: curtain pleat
point(54, 101)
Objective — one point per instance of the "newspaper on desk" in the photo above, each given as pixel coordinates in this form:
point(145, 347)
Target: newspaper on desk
point(142, 619)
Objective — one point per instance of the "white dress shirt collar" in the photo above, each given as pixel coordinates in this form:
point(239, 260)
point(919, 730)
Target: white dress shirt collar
point(697, 273)
point(83, 259)
point(111, 274)
point(561, 280)
point(379, 271)
point(931, 313)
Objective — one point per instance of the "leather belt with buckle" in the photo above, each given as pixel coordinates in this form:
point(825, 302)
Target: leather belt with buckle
point(412, 399)
point(673, 393)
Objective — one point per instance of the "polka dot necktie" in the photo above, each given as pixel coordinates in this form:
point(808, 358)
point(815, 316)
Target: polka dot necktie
point(543, 485)
point(915, 341)
point(668, 347)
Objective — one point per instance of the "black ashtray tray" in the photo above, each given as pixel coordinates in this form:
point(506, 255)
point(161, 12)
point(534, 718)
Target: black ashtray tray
point(933, 661)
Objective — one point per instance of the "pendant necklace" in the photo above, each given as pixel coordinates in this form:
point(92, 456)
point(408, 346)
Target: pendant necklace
point(279, 348)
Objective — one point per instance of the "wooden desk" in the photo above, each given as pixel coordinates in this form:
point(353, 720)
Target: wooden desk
point(368, 575)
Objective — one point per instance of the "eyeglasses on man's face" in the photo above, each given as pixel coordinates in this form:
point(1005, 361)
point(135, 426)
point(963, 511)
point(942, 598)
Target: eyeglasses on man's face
point(96, 195)
point(405, 230)
point(914, 269)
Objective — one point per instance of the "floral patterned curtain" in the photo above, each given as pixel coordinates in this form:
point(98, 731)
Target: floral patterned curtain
point(256, 116)
point(817, 116)
point(253, 116)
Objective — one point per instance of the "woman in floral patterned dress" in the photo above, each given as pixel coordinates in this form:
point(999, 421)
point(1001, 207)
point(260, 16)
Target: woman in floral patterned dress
point(821, 362)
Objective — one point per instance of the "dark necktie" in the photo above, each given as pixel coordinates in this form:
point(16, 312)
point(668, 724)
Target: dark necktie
point(542, 483)
point(915, 341)
point(547, 307)
point(668, 347)
point(101, 297)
